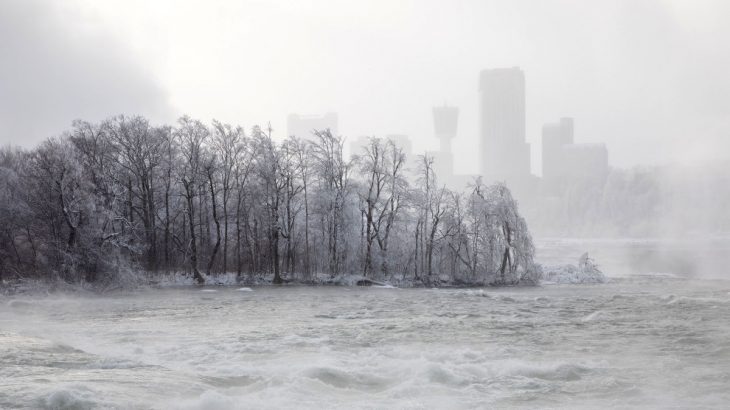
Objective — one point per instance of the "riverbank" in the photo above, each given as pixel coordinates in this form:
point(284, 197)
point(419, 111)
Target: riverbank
point(585, 272)
point(180, 279)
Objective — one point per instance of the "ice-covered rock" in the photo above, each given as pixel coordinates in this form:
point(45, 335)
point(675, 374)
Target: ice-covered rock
point(586, 272)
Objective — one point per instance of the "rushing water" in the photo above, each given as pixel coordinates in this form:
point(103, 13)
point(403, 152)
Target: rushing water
point(641, 341)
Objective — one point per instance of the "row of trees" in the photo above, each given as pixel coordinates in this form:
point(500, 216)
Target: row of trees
point(204, 199)
point(659, 201)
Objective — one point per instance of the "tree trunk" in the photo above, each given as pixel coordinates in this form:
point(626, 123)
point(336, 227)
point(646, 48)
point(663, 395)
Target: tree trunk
point(225, 232)
point(238, 236)
point(217, 225)
point(368, 239)
point(193, 246)
point(67, 218)
point(275, 258)
point(307, 270)
point(167, 225)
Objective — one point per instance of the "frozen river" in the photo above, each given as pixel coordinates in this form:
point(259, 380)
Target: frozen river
point(642, 341)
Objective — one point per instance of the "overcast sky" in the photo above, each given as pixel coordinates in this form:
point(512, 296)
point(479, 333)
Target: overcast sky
point(651, 79)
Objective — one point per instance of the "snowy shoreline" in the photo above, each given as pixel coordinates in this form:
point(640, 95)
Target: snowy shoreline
point(181, 280)
point(552, 275)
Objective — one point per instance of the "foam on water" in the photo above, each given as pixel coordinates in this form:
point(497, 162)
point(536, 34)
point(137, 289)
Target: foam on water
point(593, 316)
point(70, 399)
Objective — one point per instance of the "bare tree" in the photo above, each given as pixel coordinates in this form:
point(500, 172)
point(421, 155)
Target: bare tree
point(191, 135)
point(290, 173)
point(302, 153)
point(242, 170)
point(333, 172)
point(211, 170)
point(110, 197)
point(227, 143)
point(139, 151)
point(269, 172)
point(432, 212)
point(382, 164)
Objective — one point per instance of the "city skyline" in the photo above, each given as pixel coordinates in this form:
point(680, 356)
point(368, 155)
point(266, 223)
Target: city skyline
point(504, 154)
point(617, 69)
point(314, 204)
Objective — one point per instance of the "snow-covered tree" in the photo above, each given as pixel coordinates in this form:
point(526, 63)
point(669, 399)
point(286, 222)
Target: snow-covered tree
point(124, 193)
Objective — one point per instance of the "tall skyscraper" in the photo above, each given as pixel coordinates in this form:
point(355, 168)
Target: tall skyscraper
point(504, 154)
point(564, 161)
point(445, 121)
point(555, 136)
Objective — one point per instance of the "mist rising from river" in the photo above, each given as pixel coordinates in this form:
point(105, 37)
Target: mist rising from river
point(638, 341)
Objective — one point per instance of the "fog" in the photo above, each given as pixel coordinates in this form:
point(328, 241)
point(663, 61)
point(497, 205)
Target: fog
point(640, 344)
point(648, 78)
point(60, 64)
point(364, 204)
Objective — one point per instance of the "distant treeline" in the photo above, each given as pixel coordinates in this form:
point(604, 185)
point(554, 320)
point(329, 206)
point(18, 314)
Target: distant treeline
point(203, 199)
point(658, 201)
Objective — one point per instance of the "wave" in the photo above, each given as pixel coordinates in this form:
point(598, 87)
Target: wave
point(208, 400)
point(343, 379)
point(71, 398)
point(598, 314)
point(556, 371)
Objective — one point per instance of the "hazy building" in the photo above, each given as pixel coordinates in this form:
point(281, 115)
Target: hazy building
point(586, 162)
point(403, 142)
point(555, 136)
point(358, 145)
point(504, 154)
point(564, 161)
point(303, 126)
point(445, 125)
point(445, 120)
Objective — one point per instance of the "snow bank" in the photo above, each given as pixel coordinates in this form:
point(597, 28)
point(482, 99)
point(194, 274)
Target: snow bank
point(181, 279)
point(41, 286)
point(231, 279)
point(586, 272)
point(353, 280)
point(131, 279)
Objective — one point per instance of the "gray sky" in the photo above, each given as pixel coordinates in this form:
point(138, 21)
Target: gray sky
point(649, 78)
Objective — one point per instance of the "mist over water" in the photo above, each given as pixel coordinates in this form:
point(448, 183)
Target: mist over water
point(638, 341)
point(692, 257)
point(564, 129)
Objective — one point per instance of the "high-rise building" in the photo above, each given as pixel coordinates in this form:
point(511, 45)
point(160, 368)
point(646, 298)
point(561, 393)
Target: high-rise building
point(303, 126)
point(554, 137)
point(564, 161)
point(504, 154)
point(586, 162)
point(445, 121)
